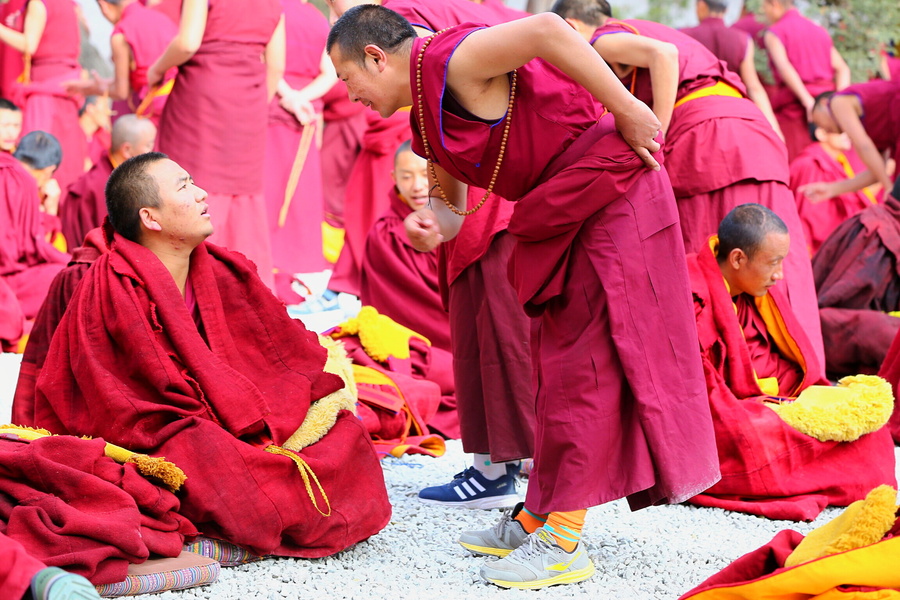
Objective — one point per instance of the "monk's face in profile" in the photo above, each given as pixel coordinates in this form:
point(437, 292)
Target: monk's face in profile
point(10, 128)
point(839, 142)
point(380, 82)
point(411, 178)
point(822, 117)
point(756, 273)
point(182, 216)
point(773, 10)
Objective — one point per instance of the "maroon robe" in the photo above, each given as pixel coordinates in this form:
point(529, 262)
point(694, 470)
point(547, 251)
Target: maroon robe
point(880, 117)
point(62, 288)
point(98, 146)
point(819, 219)
point(28, 263)
point(345, 124)
point(85, 204)
point(606, 428)
point(170, 8)
point(364, 199)
point(491, 335)
point(401, 282)
point(210, 398)
point(857, 271)
point(751, 25)
point(11, 62)
point(808, 47)
point(45, 104)
point(890, 370)
point(147, 32)
point(71, 506)
point(296, 245)
point(728, 44)
point(721, 152)
point(214, 123)
point(768, 467)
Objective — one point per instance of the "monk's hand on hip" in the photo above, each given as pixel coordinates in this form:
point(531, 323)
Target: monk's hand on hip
point(640, 128)
point(423, 230)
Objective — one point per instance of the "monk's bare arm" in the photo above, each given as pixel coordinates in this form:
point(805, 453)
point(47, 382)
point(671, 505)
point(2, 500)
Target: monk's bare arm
point(477, 74)
point(841, 70)
point(428, 227)
point(27, 41)
point(846, 111)
point(186, 42)
point(755, 90)
point(275, 58)
point(660, 58)
point(120, 87)
point(316, 88)
point(787, 71)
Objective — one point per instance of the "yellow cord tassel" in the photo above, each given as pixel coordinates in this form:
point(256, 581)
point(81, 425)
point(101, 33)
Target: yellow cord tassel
point(305, 472)
point(149, 466)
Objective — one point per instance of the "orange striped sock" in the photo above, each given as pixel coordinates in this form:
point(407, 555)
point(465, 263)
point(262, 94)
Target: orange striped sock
point(530, 520)
point(565, 527)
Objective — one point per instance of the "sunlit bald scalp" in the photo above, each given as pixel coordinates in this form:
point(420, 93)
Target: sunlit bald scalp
point(128, 129)
point(369, 24)
point(746, 228)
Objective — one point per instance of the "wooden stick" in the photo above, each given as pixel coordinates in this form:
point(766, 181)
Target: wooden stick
point(306, 139)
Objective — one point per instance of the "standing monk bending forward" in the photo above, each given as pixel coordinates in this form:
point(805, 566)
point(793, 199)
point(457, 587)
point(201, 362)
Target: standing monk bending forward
point(621, 402)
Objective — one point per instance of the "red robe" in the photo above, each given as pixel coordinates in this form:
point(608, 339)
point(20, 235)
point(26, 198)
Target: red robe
point(170, 8)
point(85, 204)
point(890, 370)
point(147, 32)
point(720, 153)
point(751, 25)
point(598, 248)
point(819, 219)
point(214, 123)
point(345, 124)
point(18, 567)
point(727, 43)
point(296, 245)
point(210, 398)
point(401, 282)
point(54, 307)
point(808, 47)
point(10, 59)
point(880, 102)
point(28, 263)
point(71, 506)
point(45, 104)
point(768, 467)
point(857, 272)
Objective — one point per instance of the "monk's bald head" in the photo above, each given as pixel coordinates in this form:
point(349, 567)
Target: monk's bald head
point(132, 135)
point(369, 24)
point(589, 12)
point(130, 188)
point(746, 228)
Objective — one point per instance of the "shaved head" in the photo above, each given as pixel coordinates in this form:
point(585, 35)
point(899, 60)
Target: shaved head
point(590, 12)
point(130, 129)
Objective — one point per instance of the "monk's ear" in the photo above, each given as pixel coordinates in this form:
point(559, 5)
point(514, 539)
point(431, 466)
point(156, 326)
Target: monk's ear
point(376, 54)
point(736, 258)
point(148, 219)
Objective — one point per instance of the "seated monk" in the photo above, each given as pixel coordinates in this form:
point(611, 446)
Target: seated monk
point(85, 205)
point(829, 158)
point(28, 262)
point(174, 347)
point(755, 355)
point(857, 274)
point(402, 283)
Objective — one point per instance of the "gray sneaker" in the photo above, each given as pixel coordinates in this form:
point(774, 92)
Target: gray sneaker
point(539, 562)
point(499, 540)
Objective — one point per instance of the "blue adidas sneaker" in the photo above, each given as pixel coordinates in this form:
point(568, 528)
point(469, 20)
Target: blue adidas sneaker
point(471, 489)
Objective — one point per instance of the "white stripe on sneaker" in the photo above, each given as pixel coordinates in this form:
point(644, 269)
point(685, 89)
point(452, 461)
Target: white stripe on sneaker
point(476, 484)
point(465, 485)
point(459, 493)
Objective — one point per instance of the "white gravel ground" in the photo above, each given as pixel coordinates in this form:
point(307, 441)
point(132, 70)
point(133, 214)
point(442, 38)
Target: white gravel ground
point(659, 552)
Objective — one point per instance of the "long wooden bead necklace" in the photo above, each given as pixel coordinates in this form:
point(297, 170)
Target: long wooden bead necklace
point(427, 147)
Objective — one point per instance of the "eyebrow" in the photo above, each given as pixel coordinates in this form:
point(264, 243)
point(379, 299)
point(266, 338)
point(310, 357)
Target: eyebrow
point(183, 179)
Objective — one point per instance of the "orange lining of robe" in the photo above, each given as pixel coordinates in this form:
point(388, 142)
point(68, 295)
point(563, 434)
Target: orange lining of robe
point(848, 169)
point(719, 88)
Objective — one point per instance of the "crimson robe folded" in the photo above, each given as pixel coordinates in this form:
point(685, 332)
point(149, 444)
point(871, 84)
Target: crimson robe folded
point(858, 280)
point(28, 263)
point(71, 506)
point(808, 47)
point(48, 317)
point(768, 467)
point(129, 363)
point(84, 207)
point(598, 249)
point(819, 219)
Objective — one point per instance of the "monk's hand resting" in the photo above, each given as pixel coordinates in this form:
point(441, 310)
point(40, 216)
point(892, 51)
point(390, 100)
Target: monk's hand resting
point(50, 193)
point(423, 230)
point(302, 109)
point(639, 126)
point(818, 191)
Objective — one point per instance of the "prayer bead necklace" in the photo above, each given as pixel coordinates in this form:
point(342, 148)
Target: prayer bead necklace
point(428, 157)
